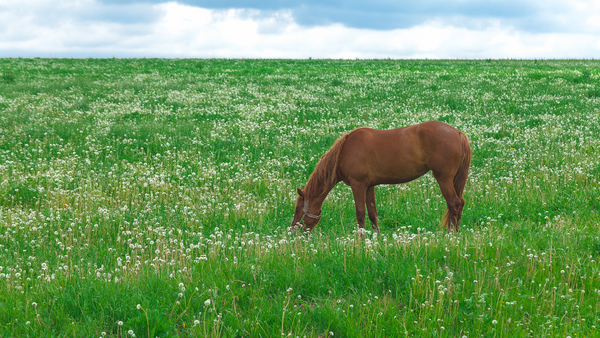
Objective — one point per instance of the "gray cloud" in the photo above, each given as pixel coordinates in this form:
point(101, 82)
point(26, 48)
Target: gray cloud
point(529, 15)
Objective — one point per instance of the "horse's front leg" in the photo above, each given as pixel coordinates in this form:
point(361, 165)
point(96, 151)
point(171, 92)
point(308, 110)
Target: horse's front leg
point(359, 190)
point(372, 208)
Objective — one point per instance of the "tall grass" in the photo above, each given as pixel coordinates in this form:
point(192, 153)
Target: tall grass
point(152, 197)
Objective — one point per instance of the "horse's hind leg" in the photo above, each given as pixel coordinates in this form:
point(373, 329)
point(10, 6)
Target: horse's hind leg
point(460, 210)
point(453, 202)
point(372, 208)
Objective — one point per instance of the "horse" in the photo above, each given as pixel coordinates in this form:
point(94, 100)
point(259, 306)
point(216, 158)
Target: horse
point(366, 157)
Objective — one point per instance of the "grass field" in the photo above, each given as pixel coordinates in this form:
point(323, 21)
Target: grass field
point(152, 197)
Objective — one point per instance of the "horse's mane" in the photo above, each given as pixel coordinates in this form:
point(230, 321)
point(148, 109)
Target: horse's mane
point(325, 175)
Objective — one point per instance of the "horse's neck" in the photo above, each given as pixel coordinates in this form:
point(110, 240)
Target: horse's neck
point(318, 191)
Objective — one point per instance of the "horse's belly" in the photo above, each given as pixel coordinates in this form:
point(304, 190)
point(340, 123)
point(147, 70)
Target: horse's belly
point(376, 172)
point(401, 174)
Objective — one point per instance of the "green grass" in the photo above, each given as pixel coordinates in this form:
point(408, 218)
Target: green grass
point(171, 183)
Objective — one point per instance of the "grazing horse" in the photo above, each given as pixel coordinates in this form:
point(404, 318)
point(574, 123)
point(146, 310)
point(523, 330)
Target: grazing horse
point(365, 157)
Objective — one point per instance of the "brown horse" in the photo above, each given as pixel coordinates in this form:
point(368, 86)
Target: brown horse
point(365, 157)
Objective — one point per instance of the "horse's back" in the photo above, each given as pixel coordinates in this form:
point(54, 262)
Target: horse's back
point(382, 156)
point(436, 131)
point(398, 155)
point(442, 146)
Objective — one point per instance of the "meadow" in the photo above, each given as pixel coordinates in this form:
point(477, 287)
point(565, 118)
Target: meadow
point(152, 198)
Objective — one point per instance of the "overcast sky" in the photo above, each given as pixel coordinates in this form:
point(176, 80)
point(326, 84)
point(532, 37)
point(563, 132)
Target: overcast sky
point(301, 29)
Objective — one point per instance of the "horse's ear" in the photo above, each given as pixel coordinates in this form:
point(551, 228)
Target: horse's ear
point(300, 193)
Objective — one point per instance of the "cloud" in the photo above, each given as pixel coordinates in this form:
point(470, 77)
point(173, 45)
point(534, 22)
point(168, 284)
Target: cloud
point(539, 16)
point(83, 28)
point(67, 27)
point(55, 12)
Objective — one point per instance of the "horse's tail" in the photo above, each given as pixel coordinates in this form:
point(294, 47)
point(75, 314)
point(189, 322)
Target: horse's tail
point(460, 179)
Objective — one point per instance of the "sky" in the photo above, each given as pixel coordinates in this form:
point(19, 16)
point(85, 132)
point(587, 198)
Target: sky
point(349, 29)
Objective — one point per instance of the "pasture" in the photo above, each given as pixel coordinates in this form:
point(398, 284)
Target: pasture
point(152, 197)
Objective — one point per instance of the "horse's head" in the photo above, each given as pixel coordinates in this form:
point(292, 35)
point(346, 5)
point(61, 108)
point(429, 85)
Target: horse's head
point(306, 216)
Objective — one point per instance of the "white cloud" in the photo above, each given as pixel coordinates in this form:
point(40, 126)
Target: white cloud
point(34, 28)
